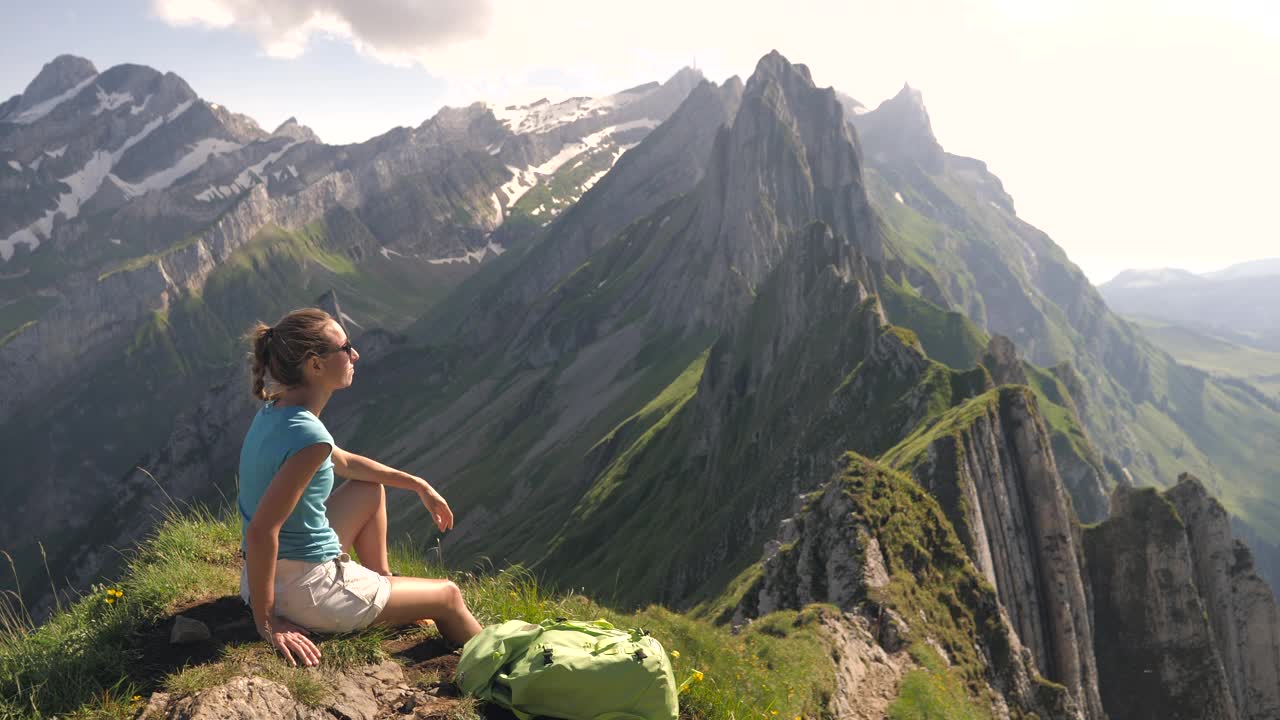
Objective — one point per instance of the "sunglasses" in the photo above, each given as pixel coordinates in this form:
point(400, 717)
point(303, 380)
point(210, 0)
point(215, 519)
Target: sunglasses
point(345, 347)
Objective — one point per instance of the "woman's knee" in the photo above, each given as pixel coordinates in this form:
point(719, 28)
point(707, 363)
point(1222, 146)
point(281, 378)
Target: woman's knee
point(453, 595)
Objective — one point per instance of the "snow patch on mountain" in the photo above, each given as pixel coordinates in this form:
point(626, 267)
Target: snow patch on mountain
point(474, 255)
point(15, 165)
point(198, 155)
point(542, 116)
point(574, 149)
point(83, 183)
point(56, 153)
point(40, 109)
point(247, 178)
point(110, 101)
point(518, 185)
point(181, 108)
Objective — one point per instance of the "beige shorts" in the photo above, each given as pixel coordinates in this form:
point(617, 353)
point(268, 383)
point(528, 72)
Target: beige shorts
point(335, 596)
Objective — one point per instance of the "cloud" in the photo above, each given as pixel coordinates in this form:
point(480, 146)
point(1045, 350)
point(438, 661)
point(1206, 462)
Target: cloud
point(393, 31)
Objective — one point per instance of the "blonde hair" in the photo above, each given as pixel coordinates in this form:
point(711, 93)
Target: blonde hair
point(281, 351)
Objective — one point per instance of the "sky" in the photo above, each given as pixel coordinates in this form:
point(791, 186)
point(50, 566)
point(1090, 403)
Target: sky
point(1136, 133)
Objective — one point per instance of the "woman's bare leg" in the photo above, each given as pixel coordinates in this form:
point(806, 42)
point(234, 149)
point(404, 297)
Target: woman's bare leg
point(357, 511)
point(415, 599)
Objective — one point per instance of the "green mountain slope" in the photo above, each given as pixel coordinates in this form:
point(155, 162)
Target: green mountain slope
point(952, 235)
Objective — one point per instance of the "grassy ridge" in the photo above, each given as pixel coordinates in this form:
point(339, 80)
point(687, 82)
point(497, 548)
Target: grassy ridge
point(83, 662)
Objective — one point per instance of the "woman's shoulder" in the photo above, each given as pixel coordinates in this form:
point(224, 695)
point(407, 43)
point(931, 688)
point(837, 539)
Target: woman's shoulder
point(299, 421)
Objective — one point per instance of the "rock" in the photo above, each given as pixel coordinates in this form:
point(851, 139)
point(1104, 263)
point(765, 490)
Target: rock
point(188, 630)
point(867, 678)
point(893, 631)
point(156, 707)
point(247, 698)
point(1241, 607)
point(995, 477)
point(363, 693)
point(1156, 653)
point(1001, 359)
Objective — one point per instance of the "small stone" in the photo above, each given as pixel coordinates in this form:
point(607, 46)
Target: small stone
point(156, 707)
point(188, 630)
point(407, 706)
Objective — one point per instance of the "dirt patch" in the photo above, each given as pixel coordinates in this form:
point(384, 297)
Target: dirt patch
point(229, 621)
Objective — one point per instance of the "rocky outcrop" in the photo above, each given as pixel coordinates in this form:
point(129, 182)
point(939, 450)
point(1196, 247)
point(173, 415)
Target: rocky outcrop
point(1001, 359)
point(1156, 652)
point(365, 693)
point(1077, 461)
point(990, 465)
point(1241, 608)
point(855, 545)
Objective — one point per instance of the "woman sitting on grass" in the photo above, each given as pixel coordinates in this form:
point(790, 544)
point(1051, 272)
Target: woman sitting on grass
point(298, 530)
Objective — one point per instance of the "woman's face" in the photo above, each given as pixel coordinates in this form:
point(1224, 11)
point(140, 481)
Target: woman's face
point(336, 368)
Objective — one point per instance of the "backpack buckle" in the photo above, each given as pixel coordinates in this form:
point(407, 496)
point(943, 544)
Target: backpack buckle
point(639, 655)
point(546, 656)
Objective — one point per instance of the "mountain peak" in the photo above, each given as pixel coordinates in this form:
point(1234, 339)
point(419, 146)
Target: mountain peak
point(293, 129)
point(775, 66)
point(787, 159)
point(901, 126)
point(58, 76)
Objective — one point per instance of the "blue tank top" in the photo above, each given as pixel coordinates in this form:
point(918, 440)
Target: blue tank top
point(274, 436)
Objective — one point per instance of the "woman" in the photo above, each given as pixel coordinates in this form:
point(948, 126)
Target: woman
point(298, 530)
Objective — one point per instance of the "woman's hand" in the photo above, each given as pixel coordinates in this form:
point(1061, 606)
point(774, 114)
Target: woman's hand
point(291, 640)
point(436, 505)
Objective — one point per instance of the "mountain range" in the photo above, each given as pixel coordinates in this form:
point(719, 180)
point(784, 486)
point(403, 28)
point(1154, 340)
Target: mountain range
point(727, 347)
point(1237, 304)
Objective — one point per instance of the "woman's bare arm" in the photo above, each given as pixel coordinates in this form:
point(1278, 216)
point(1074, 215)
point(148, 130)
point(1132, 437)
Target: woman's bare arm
point(358, 467)
point(262, 543)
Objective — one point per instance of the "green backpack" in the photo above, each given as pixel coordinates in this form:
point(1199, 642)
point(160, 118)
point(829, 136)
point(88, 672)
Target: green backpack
point(570, 669)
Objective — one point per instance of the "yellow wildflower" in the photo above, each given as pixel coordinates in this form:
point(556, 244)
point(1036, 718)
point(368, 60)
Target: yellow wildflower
point(110, 600)
point(675, 654)
point(697, 675)
point(773, 712)
point(136, 698)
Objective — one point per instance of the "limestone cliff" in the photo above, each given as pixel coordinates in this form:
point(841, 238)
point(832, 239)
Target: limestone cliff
point(1156, 651)
point(1241, 607)
point(990, 465)
point(1186, 628)
point(875, 545)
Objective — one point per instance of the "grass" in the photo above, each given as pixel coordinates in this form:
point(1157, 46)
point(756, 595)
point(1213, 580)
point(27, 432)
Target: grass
point(935, 692)
point(1214, 355)
point(83, 663)
point(73, 663)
